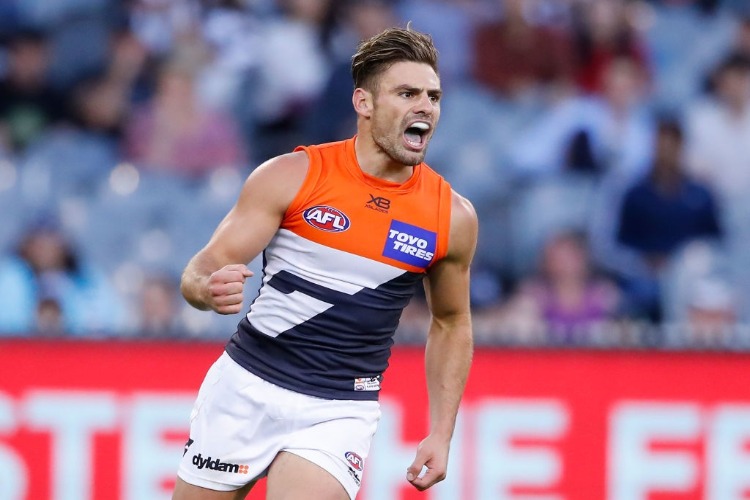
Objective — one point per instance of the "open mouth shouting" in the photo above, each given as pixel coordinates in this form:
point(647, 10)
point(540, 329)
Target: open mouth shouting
point(416, 135)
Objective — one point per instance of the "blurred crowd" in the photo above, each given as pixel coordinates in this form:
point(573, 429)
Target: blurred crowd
point(604, 143)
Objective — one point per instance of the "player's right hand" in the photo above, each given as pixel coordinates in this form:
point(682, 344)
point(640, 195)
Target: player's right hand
point(225, 288)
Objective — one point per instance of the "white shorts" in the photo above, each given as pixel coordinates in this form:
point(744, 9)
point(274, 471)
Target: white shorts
point(240, 422)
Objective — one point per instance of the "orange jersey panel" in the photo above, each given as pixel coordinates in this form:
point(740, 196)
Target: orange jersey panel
point(338, 273)
point(404, 225)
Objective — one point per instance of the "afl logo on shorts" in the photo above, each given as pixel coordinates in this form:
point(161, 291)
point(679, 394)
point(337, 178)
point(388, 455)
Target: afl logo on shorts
point(327, 218)
point(354, 460)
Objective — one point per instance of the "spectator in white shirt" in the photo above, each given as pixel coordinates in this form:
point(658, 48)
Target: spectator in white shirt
point(719, 130)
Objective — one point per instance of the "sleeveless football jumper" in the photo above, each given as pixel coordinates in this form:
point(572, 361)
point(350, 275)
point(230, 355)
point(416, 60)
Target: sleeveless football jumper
point(346, 260)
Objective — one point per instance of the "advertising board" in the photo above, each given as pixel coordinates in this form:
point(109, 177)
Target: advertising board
point(90, 420)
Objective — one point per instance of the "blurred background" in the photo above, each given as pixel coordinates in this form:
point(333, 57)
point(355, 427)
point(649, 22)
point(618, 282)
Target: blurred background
point(604, 143)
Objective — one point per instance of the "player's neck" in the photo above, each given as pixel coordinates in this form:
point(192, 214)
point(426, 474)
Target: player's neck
point(375, 162)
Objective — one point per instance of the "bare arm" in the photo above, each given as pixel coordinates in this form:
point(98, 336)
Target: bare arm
point(449, 344)
point(214, 277)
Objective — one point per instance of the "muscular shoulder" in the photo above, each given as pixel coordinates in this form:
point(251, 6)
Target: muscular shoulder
point(464, 229)
point(277, 180)
point(289, 167)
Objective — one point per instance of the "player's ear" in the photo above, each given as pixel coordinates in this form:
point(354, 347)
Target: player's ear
point(362, 101)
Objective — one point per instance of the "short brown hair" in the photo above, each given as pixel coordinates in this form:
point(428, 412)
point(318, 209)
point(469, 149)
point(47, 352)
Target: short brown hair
point(393, 45)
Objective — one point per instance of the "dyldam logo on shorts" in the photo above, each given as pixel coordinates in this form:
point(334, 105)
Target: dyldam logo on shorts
point(218, 465)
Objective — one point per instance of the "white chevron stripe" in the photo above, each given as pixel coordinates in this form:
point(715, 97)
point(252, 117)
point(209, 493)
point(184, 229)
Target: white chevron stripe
point(326, 266)
point(274, 312)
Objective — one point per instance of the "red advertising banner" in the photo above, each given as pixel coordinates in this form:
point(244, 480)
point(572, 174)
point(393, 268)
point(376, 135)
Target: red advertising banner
point(108, 420)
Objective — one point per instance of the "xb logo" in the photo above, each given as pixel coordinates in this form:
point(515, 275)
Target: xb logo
point(378, 202)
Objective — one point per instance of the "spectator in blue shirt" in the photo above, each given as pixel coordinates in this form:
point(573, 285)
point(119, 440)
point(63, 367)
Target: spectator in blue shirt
point(661, 212)
point(47, 288)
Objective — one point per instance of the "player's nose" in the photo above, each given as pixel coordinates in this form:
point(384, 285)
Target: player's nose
point(423, 105)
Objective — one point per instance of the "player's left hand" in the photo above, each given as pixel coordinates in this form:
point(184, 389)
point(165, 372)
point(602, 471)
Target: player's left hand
point(432, 453)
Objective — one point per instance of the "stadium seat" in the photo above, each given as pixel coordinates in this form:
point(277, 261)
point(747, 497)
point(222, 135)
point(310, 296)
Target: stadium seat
point(543, 207)
point(73, 162)
point(13, 217)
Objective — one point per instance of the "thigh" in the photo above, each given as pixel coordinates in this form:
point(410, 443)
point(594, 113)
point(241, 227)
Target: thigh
point(233, 437)
point(336, 436)
point(186, 491)
point(292, 477)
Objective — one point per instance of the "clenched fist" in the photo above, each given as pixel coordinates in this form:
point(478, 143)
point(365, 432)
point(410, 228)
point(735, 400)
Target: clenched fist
point(225, 287)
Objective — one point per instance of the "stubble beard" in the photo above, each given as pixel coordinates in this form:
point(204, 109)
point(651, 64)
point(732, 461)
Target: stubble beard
point(395, 151)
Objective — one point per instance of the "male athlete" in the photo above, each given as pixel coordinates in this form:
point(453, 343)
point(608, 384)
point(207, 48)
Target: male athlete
point(348, 229)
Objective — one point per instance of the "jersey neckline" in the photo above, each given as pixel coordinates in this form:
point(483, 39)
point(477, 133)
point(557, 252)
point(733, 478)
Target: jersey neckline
point(356, 171)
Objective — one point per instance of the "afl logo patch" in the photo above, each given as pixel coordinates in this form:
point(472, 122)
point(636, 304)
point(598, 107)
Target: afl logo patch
point(326, 218)
point(354, 460)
